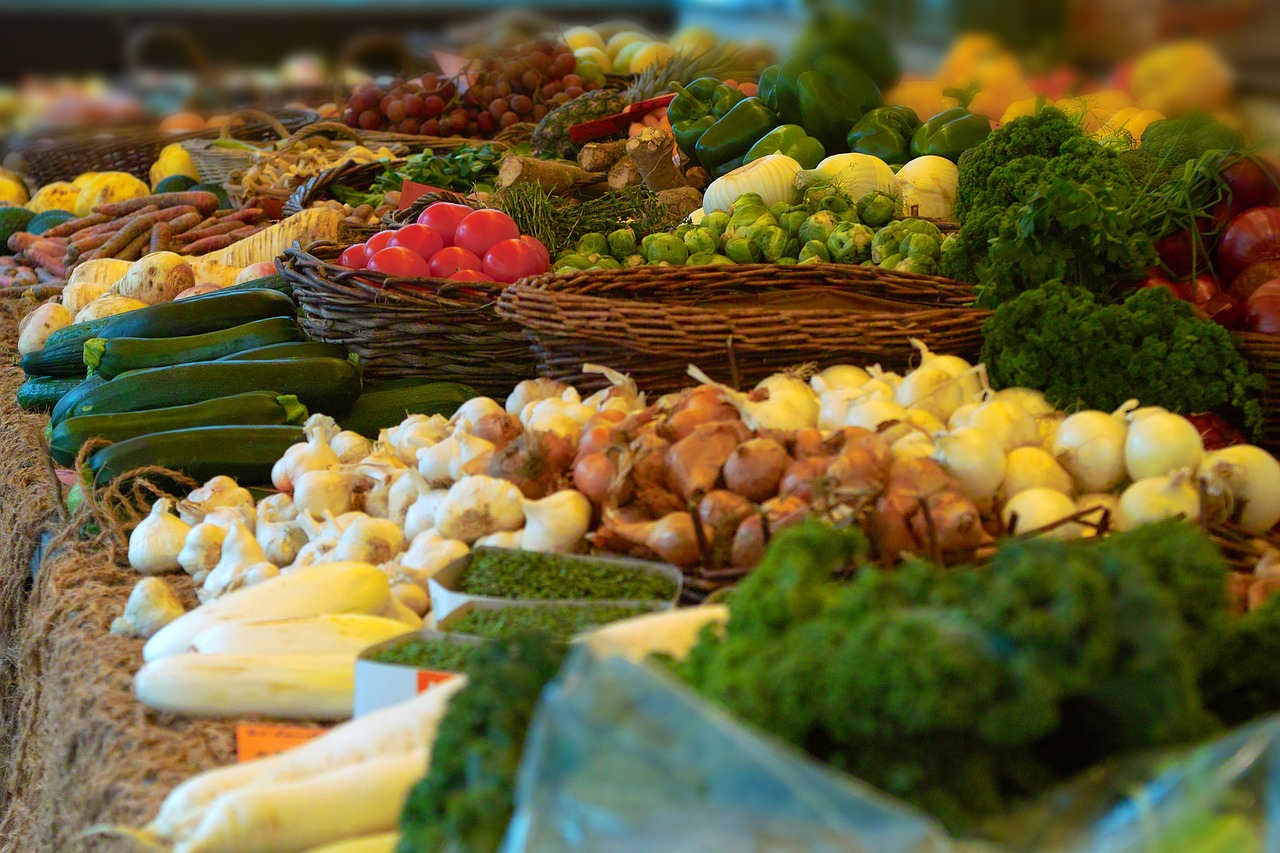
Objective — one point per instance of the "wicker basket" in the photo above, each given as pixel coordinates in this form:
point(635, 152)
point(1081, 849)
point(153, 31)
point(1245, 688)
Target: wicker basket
point(1263, 354)
point(432, 328)
point(739, 324)
point(216, 164)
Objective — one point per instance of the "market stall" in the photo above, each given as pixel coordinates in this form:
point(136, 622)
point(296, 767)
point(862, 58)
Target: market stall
point(497, 463)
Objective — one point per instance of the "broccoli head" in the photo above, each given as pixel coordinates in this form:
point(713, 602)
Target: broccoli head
point(1174, 141)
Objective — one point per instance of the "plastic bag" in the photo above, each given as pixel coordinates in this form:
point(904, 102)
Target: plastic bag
point(622, 758)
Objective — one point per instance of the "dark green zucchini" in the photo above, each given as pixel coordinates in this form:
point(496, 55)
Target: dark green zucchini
point(275, 282)
point(74, 396)
point(377, 409)
point(244, 453)
point(195, 316)
point(66, 360)
point(42, 393)
point(112, 356)
point(253, 408)
point(326, 385)
point(301, 349)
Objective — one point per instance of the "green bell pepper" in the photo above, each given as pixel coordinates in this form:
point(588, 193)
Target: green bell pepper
point(950, 133)
point(832, 31)
point(791, 140)
point(825, 96)
point(697, 107)
point(723, 147)
point(885, 133)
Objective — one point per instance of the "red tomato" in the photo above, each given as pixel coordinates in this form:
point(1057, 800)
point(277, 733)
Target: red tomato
point(469, 275)
point(354, 258)
point(511, 260)
point(448, 261)
point(443, 217)
point(480, 231)
point(400, 262)
point(378, 242)
point(419, 239)
point(538, 247)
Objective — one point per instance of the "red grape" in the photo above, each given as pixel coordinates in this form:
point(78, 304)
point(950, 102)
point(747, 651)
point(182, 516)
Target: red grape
point(433, 106)
point(498, 107)
point(385, 103)
point(560, 99)
point(540, 111)
point(503, 88)
point(395, 111)
point(513, 69)
point(485, 123)
point(349, 118)
point(531, 80)
point(574, 91)
point(552, 89)
point(508, 119)
point(539, 61)
point(410, 126)
point(594, 85)
point(431, 127)
point(371, 120)
point(414, 106)
point(448, 90)
point(566, 62)
point(555, 72)
point(573, 80)
point(430, 82)
point(521, 104)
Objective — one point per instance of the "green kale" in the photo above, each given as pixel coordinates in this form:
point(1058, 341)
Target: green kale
point(1151, 347)
point(466, 799)
point(1039, 135)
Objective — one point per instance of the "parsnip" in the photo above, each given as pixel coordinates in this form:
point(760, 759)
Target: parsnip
point(107, 305)
point(386, 732)
point(158, 277)
point(324, 588)
point(327, 634)
point(383, 843)
point(345, 803)
point(291, 687)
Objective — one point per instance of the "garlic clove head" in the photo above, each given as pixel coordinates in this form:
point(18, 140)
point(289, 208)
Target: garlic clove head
point(158, 540)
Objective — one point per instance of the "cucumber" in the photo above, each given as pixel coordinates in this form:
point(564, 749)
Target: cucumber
point(376, 409)
point(301, 349)
point(112, 356)
point(42, 393)
point(244, 453)
point(255, 407)
point(73, 396)
point(195, 316)
point(327, 385)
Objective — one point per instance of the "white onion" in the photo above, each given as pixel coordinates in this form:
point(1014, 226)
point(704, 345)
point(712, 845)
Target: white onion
point(1033, 468)
point(1097, 501)
point(1090, 446)
point(1038, 508)
point(1007, 422)
point(839, 376)
point(913, 445)
point(975, 459)
point(870, 413)
point(772, 176)
point(932, 388)
point(1249, 475)
point(1030, 401)
point(1047, 428)
point(1156, 498)
point(1159, 443)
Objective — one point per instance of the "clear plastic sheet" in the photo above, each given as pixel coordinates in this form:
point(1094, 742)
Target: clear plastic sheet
point(623, 759)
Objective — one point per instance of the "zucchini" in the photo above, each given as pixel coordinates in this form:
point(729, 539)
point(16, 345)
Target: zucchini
point(377, 409)
point(276, 282)
point(255, 407)
point(195, 316)
point(301, 349)
point(65, 359)
point(328, 385)
point(112, 356)
point(42, 393)
point(244, 453)
point(72, 397)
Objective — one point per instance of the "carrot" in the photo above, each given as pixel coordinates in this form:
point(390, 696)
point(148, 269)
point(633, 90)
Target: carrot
point(248, 214)
point(205, 202)
point(183, 223)
point(53, 264)
point(21, 241)
point(134, 250)
point(247, 231)
point(160, 237)
point(139, 225)
point(71, 226)
point(209, 244)
point(111, 226)
point(226, 226)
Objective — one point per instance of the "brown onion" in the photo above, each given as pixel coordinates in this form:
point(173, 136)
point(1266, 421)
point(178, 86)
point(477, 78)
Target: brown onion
point(527, 463)
point(721, 512)
point(593, 475)
point(671, 537)
point(755, 468)
point(748, 543)
point(598, 438)
point(499, 429)
point(957, 525)
point(887, 525)
point(697, 406)
point(694, 462)
point(861, 465)
point(920, 476)
point(806, 478)
point(808, 443)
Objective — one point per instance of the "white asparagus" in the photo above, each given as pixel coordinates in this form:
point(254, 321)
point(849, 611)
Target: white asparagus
point(292, 687)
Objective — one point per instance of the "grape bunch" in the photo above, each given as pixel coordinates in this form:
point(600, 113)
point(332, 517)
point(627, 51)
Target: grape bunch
point(426, 105)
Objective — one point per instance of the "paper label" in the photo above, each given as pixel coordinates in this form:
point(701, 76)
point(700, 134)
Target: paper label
point(259, 740)
point(431, 677)
point(411, 191)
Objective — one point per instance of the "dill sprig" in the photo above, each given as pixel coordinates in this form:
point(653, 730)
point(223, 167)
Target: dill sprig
point(559, 221)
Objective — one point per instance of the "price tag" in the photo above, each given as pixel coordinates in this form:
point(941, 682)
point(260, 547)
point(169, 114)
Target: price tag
point(259, 740)
point(411, 191)
point(430, 677)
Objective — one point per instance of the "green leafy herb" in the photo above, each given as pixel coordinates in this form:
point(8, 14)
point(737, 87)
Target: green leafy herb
point(529, 575)
point(470, 168)
point(355, 197)
point(445, 654)
point(560, 222)
point(559, 621)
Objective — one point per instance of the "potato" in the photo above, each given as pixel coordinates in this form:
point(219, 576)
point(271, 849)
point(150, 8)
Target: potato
point(198, 290)
point(158, 277)
point(78, 294)
point(40, 324)
point(108, 305)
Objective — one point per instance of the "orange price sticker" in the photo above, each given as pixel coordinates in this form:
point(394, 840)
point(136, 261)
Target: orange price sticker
point(430, 677)
point(259, 740)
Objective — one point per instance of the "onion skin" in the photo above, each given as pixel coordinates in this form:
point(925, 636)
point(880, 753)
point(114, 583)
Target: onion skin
point(1249, 237)
point(808, 443)
point(694, 462)
point(957, 524)
point(887, 527)
point(861, 464)
point(806, 478)
point(596, 439)
point(701, 405)
point(498, 428)
point(527, 463)
point(748, 543)
point(755, 468)
point(1251, 184)
point(671, 537)
point(721, 513)
point(1181, 289)
point(593, 474)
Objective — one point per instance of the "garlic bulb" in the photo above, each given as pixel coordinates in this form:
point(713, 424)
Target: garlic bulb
point(622, 395)
point(203, 547)
point(470, 413)
point(477, 506)
point(473, 457)
point(416, 432)
point(421, 515)
point(240, 551)
point(314, 454)
point(351, 447)
point(277, 508)
point(152, 604)
point(318, 492)
point(377, 500)
point(368, 540)
point(383, 454)
point(870, 412)
point(280, 541)
point(509, 539)
point(219, 492)
point(428, 554)
point(559, 522)
point(533, 391)
point(157, 541)
point(404, 491)
point(437, 463)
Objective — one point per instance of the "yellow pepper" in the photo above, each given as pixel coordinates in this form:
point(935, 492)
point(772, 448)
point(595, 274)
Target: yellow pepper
point(1180, 77)
point(923, 96)
point(1022, 108)
point(996, 81)
point(960, 64)
point(1131, 121)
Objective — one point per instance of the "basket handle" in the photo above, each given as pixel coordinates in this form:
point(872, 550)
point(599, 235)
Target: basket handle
point(320, 128)
point(356, 47)
point(254, 116)
point(143, 36)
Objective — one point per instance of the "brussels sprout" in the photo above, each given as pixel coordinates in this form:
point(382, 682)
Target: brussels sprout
point(786, 261)
point(850, 243)
point(815, 194)
point(922, 264)
point(572, 260)
point(717, 221)
point(812, 259)
point(886, 241)
point(593, 244)
point(699, 259)
point(778, 208)
point(891, 262)
point(749, 223)
point(921, 226)
point(701, 240)
point(919, 245)
point(622, 243)
point(634, 261)
point(815, 249)
point(607, 263)
point(666, 247)
point(773, 243)
point(877, 208)
point(837, 204)
point(721, 259)
point(818, 227)
point(793, 219)
point(682, 229)
point(741, 250)
point(850, 215)
point(947, 242)
point(748, 200)
point(647, 241)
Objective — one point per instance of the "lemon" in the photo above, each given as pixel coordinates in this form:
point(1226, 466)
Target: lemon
point(173, 160)
point(596, 56)
point(83, 179)
point(622, 62)
point(694, 41)
point(621, 40)
point(60, 195)
point(579, 37)
point(12, 190)
point(109, 187)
